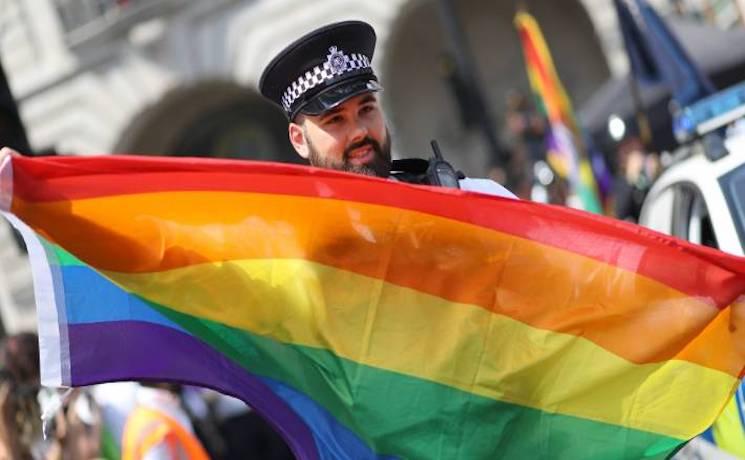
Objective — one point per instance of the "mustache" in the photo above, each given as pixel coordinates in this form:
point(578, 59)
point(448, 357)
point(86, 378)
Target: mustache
point(364, 142)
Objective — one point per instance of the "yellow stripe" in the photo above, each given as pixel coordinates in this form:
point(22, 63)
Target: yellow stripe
point(538, 284)
point(370, 321)
point(561, 107)
point(729, 433)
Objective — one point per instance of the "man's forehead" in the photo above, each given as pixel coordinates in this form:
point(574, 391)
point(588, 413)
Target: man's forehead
point(352, 102)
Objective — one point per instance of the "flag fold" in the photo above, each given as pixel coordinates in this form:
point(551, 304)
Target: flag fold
point(367, 318)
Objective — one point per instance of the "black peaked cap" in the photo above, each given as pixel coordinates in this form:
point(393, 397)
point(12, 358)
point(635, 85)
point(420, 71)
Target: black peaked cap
point(322, 69)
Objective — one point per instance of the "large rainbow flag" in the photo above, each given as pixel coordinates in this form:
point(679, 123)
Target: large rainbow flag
point(565, 146)
point(368, 318)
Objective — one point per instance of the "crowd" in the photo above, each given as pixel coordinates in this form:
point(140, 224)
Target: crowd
point(623, 177)
point(126, 420)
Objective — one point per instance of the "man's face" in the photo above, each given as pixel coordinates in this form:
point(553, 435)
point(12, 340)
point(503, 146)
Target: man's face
point(351, 137)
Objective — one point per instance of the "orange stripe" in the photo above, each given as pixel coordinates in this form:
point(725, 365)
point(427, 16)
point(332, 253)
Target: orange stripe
point(539, 58)
point(540, 285)
point(542, 80)
point(539, 65)
point(561, 98)
point(697, 270)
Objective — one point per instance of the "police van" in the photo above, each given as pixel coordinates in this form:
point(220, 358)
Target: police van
point(701, 196)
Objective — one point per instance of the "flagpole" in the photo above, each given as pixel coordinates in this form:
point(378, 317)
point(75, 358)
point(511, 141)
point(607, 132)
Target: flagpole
point(464, 63)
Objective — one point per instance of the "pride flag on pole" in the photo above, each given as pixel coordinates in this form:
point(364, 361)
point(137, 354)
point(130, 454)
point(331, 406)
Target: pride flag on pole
point(367, 318)
point(565, 147)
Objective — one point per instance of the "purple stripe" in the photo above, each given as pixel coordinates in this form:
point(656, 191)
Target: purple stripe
point(148, 350)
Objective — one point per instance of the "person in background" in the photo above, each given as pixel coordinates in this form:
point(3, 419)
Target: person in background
point(231, 430)
point(636, 172)
point(74, 429)
point(525, 134)
point(20, 416)
point(159, 427)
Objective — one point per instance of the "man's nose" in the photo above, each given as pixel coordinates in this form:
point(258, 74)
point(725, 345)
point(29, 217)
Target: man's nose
point(359, 131)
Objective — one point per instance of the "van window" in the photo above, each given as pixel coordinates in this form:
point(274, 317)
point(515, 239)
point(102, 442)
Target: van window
point(691, 219)
point(733, 187)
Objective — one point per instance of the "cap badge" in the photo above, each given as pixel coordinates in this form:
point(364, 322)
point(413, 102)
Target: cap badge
point(338, 61)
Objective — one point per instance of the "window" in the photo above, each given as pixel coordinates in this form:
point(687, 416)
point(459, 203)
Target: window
point(657, 213)
point(691, 219)
point(733, 187)
point(78, 13)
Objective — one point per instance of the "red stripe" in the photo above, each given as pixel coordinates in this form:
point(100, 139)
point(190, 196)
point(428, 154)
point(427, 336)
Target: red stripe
point(689, 268)
point(551, 82)
point(534, 61)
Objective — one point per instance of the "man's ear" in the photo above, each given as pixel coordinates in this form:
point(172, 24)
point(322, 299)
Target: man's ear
point(298, 140)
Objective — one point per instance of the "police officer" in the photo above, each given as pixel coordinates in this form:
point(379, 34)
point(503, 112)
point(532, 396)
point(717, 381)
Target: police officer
point(325, 84)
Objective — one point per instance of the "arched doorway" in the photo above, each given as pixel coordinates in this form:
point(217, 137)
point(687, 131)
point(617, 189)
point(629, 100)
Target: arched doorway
point(421, 95)
point(217, 119)
point(224, 120)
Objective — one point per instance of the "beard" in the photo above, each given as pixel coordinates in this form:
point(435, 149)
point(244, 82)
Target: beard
point(379, 166)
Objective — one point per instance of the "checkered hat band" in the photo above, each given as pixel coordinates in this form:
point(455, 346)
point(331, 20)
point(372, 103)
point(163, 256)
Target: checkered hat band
point(320, 74)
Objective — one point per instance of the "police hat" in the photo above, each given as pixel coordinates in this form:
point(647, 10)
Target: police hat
point(322, 69)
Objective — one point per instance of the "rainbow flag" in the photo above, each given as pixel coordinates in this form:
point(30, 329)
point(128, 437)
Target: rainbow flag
point(367, 318)
point(565, 147)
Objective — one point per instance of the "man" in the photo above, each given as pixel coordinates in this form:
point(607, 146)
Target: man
point(325, 84)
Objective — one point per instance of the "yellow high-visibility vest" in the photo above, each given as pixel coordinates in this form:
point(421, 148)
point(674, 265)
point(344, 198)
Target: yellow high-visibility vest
point(146, 428)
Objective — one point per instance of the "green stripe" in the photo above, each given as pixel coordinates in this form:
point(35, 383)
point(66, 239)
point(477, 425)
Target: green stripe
point(586, 191)
point(64, 258)
point(589, 198)
point(413, 418)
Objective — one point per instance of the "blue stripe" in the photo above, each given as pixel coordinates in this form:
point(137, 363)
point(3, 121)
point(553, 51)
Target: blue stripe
point(708, 435)
point(95, 299)
point(334, 440)
point(91, 298)
point(740, 403)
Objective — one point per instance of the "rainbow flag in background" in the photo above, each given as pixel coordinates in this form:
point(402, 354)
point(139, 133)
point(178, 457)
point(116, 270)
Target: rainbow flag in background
point(367, 318)
point(565, 147)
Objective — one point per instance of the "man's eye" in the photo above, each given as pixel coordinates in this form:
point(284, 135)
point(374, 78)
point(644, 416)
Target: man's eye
point(367, 108)
point(333, 120)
